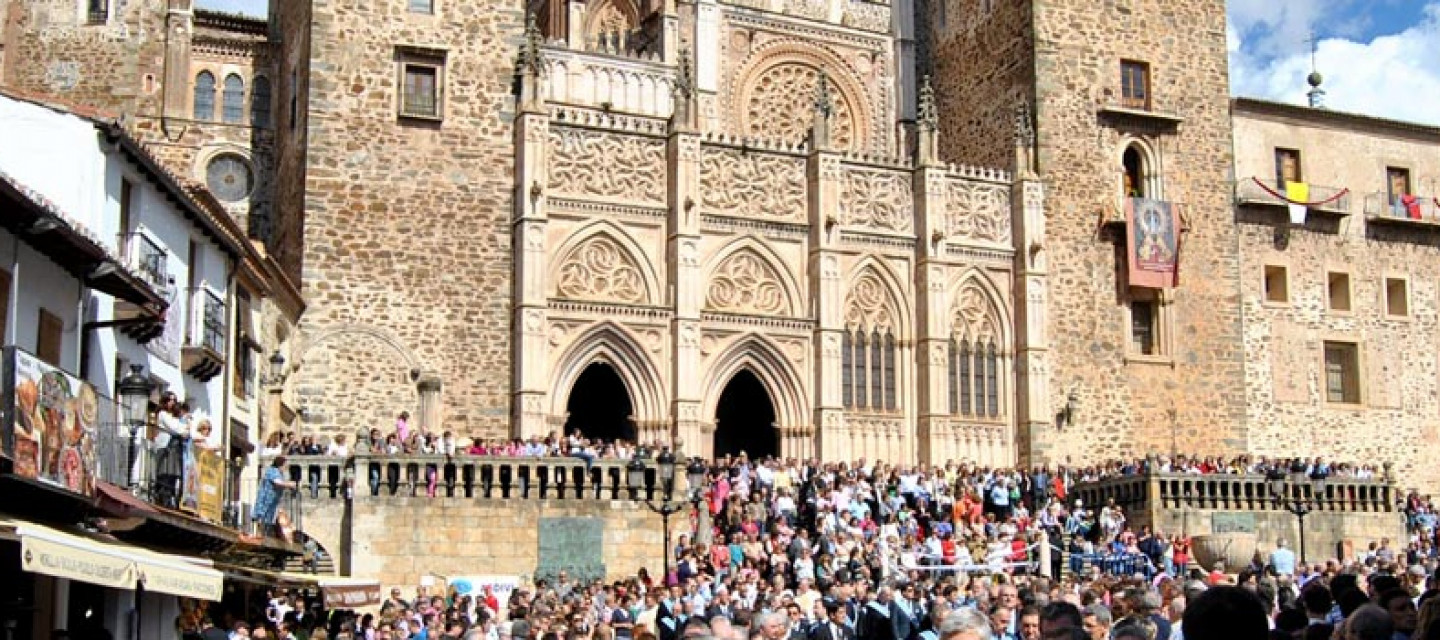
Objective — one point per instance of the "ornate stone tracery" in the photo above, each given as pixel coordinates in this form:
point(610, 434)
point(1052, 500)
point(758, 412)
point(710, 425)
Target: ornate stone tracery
point(977, 211)
point(878, 199)
point(752, 185)
point(869, 304)
point(746, 283)
point(591, 163)
point(780, 105)
point(975, 316)
point(601, 269)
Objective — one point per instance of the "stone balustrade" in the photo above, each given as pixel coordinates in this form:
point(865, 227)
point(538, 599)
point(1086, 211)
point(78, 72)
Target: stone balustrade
point(476, 477)
point(1218, 492)
point(619, 83)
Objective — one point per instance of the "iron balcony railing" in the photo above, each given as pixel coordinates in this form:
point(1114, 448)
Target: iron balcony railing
point(207, 312)
point(152, 469)
point(147, 258)
point(1262, 191)
point(1413, 208)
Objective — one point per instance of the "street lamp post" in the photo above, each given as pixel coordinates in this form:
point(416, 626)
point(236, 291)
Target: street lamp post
point(134, 391)
point(1287, 491)
point(668, 505)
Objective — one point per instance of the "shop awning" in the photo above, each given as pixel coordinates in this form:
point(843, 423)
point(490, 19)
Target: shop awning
point(339, 592)
point(56, 553)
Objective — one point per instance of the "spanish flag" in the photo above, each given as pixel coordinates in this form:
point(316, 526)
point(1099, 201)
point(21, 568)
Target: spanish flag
point(1297, 192)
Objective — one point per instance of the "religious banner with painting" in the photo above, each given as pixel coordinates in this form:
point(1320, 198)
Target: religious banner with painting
point(1153, 238)
point(50, 421)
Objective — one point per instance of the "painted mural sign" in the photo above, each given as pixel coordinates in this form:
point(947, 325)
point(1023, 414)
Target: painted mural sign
point(50, 418)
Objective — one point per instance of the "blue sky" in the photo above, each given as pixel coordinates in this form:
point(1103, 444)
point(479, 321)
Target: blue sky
point(1379, 57)
point(258, 8)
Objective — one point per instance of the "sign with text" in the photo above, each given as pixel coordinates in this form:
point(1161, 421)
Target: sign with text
point(212, 479)
point(501, 586)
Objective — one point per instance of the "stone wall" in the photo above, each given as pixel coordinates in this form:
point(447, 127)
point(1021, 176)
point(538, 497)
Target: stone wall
point(291, 20)
point(406, 222)
point(1192, 397)
point(1287, 405)
point(983, 68)
point(116, 65)
point(399, 540)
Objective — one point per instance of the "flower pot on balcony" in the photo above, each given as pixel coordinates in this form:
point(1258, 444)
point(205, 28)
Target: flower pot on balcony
point(1234, 549)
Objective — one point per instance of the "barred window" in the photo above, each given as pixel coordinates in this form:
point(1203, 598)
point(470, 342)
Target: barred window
point(422, 93)
point(260, 102)
point(204, 96)
point(233, 105)
point(847, 373)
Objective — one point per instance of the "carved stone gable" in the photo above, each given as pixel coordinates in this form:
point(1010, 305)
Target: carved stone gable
point(617, 167)
point(601, 269)
point(746, 283)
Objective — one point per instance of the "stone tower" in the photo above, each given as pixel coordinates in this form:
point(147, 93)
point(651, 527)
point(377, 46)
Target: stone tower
point(1124, 92)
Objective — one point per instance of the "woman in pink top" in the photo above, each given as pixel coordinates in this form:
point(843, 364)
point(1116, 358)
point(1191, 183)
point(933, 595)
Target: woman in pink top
point(402, 426)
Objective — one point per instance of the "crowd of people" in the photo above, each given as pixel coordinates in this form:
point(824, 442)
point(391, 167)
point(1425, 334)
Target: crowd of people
point(803, 550)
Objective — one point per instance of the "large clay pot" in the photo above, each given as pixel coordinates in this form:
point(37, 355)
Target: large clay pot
point(1234, 549)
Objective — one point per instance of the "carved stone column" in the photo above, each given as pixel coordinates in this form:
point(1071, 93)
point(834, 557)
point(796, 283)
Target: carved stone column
point(532, 375)
point(932, 275)
point(1032, 345)
point(822, 172)
point(683, 253)
point(707, 59)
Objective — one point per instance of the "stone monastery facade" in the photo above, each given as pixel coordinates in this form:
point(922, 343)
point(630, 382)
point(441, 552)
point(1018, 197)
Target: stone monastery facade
point(837, 228)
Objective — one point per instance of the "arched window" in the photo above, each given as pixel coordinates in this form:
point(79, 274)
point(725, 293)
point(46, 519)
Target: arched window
point(877, 370)
point(1134, 162)
point(260, 102)
point(847, 373)
point(889, 371)
point(233, 107)
point(862, 357)
point(204, 96)
point(979, 372)
point(992, 381)
point(962, 371)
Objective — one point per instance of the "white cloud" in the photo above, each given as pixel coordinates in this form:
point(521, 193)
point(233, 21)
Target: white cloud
point(1396, 75)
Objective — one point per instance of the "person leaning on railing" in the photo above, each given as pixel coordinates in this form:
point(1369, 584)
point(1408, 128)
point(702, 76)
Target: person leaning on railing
point(267, 499)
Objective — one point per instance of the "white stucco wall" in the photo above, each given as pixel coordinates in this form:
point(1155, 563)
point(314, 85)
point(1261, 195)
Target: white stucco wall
point(40, 284)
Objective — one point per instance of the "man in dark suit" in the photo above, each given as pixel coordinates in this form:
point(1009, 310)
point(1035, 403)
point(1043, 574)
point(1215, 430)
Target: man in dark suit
point(833, 628)
point(906, 613)
point(875, 618)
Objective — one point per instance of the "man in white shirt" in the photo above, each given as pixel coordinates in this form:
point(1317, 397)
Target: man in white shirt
point(337, 447)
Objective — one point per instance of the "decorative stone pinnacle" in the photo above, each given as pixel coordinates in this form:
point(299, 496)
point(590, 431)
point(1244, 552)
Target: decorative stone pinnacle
point(684, 77)
point(824, 102)
point(532, 57)
point(1024, 125)
point(927, 115)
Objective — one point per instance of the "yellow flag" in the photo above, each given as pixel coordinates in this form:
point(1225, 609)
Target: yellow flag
point(1297, 192)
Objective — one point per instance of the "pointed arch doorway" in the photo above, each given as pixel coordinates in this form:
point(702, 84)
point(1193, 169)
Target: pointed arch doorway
point(745, 419)
point(599, 405)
